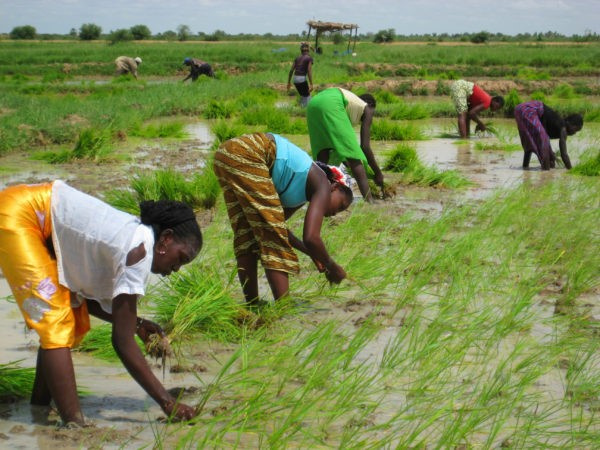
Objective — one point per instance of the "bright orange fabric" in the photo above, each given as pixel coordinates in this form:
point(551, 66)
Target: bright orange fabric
point(30, 267)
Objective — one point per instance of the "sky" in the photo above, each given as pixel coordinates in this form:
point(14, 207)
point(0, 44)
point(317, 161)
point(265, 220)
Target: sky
point(406, 17)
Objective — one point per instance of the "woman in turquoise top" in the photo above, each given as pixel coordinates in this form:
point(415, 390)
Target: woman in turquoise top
point(265, 179)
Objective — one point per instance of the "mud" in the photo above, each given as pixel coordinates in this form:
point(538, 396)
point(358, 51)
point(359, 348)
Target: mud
point(122, 414)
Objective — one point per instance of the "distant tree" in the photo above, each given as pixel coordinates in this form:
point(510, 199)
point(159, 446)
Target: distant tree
point(140, 32)
point(183, 32)
point(73, 32)
point(23, 32)
point(89, 32)
point(168, 35)
point(480, 38)
point(120, 35)
point(338, 38)
point(384, 36)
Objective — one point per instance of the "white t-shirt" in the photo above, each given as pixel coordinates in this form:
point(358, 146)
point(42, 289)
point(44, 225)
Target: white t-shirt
point(355, 107)
point(91, 240)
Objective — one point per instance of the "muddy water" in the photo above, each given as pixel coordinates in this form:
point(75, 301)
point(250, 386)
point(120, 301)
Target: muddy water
point(122, 412)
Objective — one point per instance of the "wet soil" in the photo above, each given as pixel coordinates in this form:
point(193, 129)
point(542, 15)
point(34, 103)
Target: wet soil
point(121, 412)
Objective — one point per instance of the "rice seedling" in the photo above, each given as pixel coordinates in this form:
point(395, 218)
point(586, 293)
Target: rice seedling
point(218, 110)
point(200, 191)
point(275, 120)
point(386, 130)
point(404, 159)
point(161, 130)
point(15, 381)
point(98, 343)
point(589, 165)
point(92, 144)
point(223, 131)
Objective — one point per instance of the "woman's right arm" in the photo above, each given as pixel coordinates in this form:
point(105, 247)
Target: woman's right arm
point(320, 188)
point(124, 320)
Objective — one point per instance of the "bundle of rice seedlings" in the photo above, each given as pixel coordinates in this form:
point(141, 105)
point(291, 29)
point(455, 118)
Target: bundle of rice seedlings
point(15, 381)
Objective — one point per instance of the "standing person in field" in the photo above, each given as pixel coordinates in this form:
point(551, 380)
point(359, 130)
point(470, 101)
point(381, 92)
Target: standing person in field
point(469, 100)
point(66, 255)
point(125, 65)
point(265, 179)
point(331, 115)
point(537, 124)
point(197, 68)
point(302, 72)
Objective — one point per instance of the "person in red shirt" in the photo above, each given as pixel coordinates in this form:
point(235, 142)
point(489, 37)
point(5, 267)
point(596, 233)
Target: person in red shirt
point(469, 100)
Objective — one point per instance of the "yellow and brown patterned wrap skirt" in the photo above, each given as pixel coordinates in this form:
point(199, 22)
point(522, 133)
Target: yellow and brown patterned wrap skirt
point(31, 270)
point(242, 166)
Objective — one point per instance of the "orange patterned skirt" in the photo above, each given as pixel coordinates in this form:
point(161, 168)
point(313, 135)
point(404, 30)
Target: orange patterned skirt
point(29, 265)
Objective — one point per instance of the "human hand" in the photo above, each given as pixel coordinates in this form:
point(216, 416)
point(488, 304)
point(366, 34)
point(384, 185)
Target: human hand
point(145, 328)
point(379, 179)
point(310, 88)
point(480, 127)
point(335, 273)
point(289, 86)
point(177, 412)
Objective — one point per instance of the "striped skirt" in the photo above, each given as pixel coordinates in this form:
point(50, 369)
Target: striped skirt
point(242, 166)
point(534, 137)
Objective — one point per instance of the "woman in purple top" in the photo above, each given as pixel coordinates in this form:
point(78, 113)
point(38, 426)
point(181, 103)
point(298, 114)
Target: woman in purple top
point(302, 71)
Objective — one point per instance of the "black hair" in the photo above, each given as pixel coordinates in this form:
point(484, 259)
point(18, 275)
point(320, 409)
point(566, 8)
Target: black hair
point(369, 99)
point(171, 214)
point(498, 99)
point(575, 119)
point(325, 168)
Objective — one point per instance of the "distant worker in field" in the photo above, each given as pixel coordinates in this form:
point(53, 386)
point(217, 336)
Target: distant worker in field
point(469, 100)
point(125, 65)
point(67, 255)
point(302, 72)
point(265, 179)
point(331, 116)
point(537, 124)
point(197, 68)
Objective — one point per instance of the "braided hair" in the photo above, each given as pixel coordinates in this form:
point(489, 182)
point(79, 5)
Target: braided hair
point(174, 215)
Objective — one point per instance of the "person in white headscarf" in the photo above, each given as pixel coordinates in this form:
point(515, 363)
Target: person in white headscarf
point(125, 65)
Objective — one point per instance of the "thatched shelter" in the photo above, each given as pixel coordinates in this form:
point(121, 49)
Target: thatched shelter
point(321, 27)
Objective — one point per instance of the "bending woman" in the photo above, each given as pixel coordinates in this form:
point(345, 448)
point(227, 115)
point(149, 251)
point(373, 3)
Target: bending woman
point(537, 124)
point(265, 179)
point(331, 115)
point(66, 254)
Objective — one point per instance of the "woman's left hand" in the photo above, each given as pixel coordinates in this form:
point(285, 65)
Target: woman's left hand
point(145, 328)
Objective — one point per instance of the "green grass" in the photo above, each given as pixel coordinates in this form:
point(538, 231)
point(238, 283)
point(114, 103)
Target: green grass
point(589, 166)
point(386, 130)
point(98, 343)
point(15, 381)
point(404, 159)
point(200, 191)
point(455, 342)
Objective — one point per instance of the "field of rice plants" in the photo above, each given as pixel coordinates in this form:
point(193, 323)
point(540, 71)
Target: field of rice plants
point(470, 317)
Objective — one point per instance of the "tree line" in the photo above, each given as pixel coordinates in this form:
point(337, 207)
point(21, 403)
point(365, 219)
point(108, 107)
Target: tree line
point(91, 31)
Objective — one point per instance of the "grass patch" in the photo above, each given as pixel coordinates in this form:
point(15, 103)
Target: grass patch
point(404, 159)
point(161, 130)
point(15, 381)
point(98, 343)
point(200, 191)
point(386, 130)
point(94, 145)
point(589, 165)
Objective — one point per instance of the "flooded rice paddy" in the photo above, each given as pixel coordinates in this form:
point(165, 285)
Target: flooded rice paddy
point(122, 413)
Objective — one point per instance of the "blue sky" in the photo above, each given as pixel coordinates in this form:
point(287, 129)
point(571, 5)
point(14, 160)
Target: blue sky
point(285, 16)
